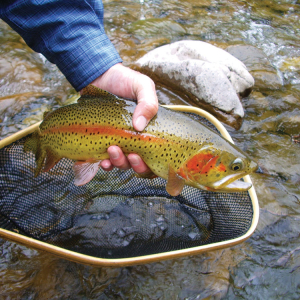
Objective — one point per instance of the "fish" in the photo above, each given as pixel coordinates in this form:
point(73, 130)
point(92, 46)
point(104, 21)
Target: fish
point(176, 147)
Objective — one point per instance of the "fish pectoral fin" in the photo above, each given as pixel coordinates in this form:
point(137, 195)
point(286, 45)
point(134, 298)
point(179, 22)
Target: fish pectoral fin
point(85, 171)
point(175, 183)
point(51, 161)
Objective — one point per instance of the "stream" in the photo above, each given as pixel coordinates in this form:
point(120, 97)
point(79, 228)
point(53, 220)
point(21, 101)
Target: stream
point(267, 265)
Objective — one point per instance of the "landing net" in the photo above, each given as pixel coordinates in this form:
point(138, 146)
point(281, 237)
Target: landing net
point(116, 215)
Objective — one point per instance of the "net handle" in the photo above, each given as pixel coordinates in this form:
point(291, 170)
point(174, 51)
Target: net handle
point(18, 135)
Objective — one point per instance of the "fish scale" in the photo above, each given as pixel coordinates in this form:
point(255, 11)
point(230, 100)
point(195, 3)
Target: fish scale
point(174, 146)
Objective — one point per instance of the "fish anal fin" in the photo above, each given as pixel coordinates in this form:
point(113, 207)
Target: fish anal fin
point(92, 91)
point(51, 160)
point(85, 171)
point(175, 183)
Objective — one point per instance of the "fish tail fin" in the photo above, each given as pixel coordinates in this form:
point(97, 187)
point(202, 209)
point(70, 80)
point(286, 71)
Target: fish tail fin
point(33, 144)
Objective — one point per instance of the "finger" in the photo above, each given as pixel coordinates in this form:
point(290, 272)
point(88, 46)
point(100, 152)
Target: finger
point(147, 103)
point(117, 158)
point(106, 165)
point(138, 164)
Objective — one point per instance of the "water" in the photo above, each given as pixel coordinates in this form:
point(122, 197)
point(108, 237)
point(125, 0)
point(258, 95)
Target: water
point(264, 267)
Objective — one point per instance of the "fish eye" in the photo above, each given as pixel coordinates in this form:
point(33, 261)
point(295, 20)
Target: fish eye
point(237, 165)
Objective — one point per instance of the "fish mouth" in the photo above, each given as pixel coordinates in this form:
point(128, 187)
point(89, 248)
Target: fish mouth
point(231, 184)
point(236, 186)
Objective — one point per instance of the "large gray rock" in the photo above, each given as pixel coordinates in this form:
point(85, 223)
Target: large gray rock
point(203, 73)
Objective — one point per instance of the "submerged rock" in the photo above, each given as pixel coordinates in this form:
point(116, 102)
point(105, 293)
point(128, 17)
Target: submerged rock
point(258, 64)
point(289, 123)
point(290, 64)
point(208, 76)
point(151, 28)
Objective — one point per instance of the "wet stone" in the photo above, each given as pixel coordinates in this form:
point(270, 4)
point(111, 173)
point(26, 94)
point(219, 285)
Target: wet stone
point(290, 64)
point(290, 123)
point(151, 28)
point(258, 64)
point(202, 73)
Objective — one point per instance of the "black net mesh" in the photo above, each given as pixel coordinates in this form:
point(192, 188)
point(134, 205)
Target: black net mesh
point(116, 215)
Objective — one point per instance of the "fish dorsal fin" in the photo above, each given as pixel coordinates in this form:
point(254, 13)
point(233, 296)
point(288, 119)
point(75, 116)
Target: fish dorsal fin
point(92, 91)
point(46, 113)
point(175, 183)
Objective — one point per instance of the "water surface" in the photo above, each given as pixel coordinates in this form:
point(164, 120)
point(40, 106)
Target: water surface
point(264, 267)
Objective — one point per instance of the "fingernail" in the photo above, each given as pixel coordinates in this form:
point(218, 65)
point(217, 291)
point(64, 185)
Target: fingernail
point(140, 123)
point(134, 160)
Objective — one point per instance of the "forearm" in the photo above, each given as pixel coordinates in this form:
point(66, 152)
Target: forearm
point(68, 33)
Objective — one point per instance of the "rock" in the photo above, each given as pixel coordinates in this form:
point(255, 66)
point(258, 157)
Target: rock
point(208, 76)
point(290, 64)
point(150, 28)
point(258, 64)
point(289, 123)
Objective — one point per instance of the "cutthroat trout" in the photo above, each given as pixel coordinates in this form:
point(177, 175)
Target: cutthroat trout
point(173, 145)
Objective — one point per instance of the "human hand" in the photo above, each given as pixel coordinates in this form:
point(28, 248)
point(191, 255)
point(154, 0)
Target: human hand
point(127, 83)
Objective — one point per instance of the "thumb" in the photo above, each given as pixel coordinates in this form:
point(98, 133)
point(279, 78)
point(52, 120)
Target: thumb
point(147, 106)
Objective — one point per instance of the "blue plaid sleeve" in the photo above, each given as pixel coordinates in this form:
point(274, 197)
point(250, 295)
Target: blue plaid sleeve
point(69, 33)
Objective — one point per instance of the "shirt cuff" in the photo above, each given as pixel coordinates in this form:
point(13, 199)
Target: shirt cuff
point(89, 58)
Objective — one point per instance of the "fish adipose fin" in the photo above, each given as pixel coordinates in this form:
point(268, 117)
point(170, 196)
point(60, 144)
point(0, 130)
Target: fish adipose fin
point(92, 91)
point(85, 171)
point(175, 183)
